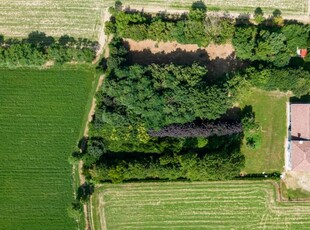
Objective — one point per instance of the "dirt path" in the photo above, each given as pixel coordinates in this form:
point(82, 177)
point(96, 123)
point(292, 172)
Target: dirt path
point(102, 214)
point(102, 36)
point(302, 18)
point(85, 134)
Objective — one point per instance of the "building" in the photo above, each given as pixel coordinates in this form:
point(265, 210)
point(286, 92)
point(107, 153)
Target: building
point(299, 138)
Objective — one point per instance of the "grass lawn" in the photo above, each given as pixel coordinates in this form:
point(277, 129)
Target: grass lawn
point(41, 119)
point(270, 112)
point(198, 205)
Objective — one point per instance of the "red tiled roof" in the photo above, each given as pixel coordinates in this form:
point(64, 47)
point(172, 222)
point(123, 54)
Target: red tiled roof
point(300, 132)
point(300, 159)
point(300, 121)
point(303, 53)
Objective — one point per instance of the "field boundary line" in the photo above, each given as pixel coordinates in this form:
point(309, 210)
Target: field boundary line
point(86, 208)
point(305, 17)
point(102, 218)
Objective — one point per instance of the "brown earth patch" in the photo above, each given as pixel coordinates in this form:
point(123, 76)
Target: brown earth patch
point(219, 59)
point(295, 180)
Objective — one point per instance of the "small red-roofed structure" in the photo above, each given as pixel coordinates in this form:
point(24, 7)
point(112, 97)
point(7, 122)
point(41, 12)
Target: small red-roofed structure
point(302, 52)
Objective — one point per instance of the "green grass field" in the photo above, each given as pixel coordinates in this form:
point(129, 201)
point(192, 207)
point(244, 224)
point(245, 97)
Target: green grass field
point(206, 205)
point(270, 112)
point(41, 119)
point(82, 18)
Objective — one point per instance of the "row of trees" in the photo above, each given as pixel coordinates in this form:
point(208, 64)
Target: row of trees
point(193, 27)
point(37, 49)
point(221, 160)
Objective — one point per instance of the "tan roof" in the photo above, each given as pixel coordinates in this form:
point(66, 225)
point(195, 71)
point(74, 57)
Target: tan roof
point(300, 121)
point(300, 157)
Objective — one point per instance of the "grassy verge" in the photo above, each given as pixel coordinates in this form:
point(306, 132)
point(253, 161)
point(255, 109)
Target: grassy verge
point(41, 115)
point(270, 112)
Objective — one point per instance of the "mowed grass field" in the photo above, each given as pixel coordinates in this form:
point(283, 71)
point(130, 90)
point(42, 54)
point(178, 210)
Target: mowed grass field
point(41, 118)
point(270, 112)
point(78, 18)
point(83, 18)
point(203, 205)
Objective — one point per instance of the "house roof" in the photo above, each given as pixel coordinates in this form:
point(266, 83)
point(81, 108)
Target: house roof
point(300, 159)
point(300, 121)
point(300, 133)
point(303, 53)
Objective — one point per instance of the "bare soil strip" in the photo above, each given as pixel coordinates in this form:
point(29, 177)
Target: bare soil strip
point(214, 51)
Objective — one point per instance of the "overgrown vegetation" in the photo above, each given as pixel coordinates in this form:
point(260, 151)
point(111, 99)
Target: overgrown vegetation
point(120, 143)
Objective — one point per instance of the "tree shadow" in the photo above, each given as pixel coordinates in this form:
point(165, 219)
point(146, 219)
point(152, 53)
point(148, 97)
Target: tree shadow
point(199, 5)
point(302, 99)
point(40, 39)
point(232, 115)
point(243, 19)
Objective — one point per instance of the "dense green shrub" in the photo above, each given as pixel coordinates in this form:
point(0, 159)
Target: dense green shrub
point(288, 79)
point(220, 164)
point(261, 45)
point(192, 28)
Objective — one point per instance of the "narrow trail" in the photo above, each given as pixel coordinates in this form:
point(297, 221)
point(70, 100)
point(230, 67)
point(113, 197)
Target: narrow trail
point(102, 39)
point(85, 134)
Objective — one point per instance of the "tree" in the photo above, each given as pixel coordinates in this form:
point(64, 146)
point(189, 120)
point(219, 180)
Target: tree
point(296, 36)
point(259, 15)
point(272, 47)
point(118, 5)
point(277, 18)
point(75, 210)
point(276, 13)
point(244, 41)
